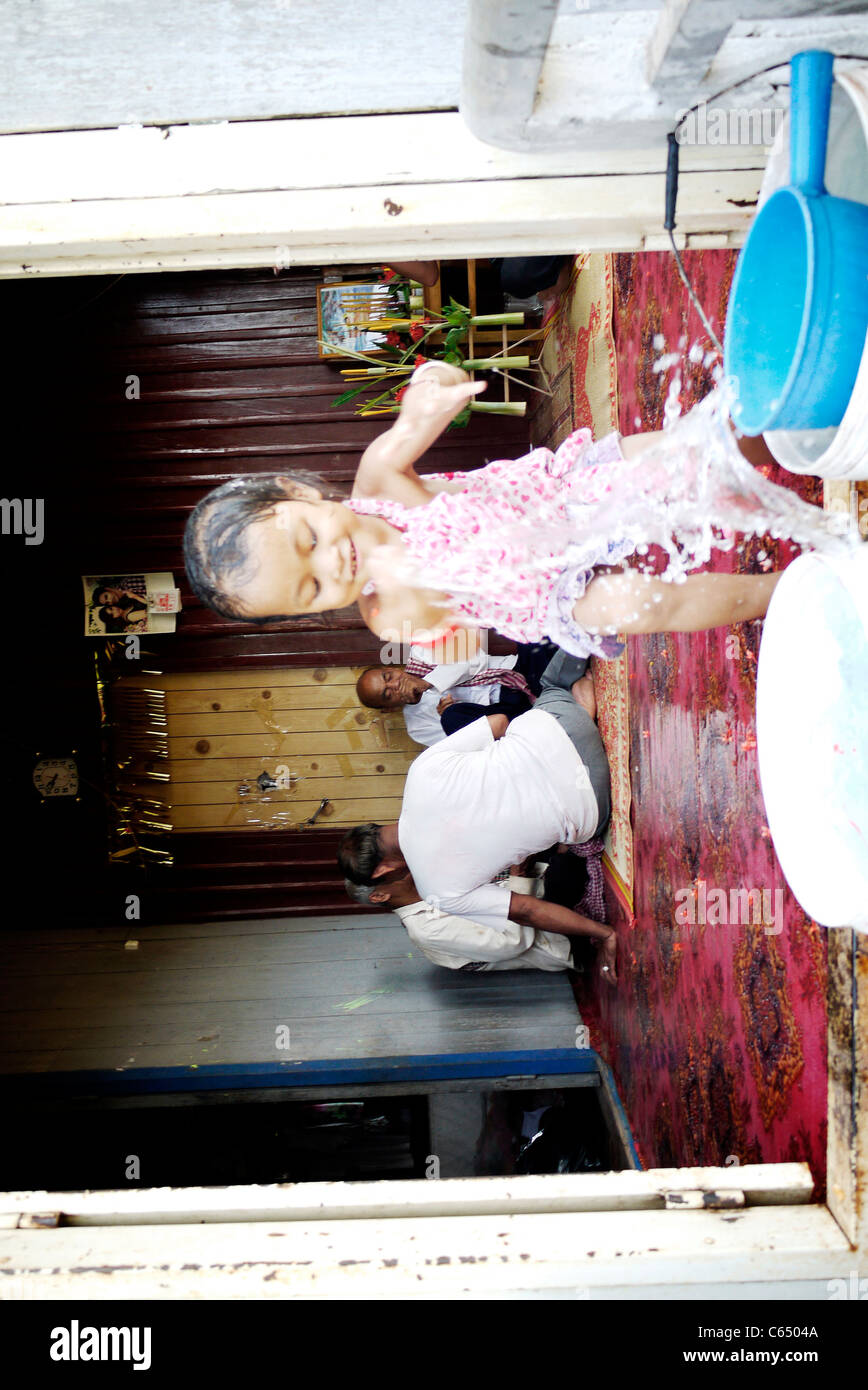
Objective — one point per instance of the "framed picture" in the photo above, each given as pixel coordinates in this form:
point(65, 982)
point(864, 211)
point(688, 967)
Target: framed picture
point(118, 604)
point(344, 311)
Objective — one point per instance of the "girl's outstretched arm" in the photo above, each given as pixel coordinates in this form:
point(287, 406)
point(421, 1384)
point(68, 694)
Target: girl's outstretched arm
point(629, 601)
point(435, 396)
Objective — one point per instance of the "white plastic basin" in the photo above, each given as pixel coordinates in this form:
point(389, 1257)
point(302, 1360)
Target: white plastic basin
point(812, 734)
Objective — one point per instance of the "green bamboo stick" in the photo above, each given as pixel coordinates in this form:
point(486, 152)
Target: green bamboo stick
point(499, 407)
point(489, 362)
point(483, 320)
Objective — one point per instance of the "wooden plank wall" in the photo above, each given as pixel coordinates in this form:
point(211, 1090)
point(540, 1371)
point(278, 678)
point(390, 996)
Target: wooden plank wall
point(304, 727)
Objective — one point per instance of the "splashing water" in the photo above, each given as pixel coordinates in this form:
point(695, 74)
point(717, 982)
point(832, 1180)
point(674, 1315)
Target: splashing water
point(693, 491)
point(690, 491)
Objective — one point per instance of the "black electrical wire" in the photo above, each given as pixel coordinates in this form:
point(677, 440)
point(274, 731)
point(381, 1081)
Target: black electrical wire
point(694, 301)
point(761, 72)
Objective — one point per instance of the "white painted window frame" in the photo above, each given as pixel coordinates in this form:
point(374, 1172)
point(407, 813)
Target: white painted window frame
point(591, 1235)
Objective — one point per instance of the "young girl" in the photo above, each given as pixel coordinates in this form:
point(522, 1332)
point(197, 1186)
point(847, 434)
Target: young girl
point(532, 547)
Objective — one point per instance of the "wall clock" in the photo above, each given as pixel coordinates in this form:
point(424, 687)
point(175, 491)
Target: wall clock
point(56, 777)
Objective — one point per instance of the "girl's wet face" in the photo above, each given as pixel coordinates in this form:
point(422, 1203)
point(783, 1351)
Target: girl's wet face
point(307, 557)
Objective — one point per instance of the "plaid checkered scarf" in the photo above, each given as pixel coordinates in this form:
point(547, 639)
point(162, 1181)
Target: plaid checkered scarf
point(490, 676)
point(593, 903)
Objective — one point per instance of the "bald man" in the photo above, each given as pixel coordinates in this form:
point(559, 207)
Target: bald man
point(442, 701)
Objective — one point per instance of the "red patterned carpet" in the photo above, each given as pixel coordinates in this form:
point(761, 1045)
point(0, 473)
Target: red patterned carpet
point(717, 1032)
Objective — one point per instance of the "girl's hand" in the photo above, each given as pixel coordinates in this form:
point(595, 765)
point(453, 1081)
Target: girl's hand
point(431, 399)
point(429, 404)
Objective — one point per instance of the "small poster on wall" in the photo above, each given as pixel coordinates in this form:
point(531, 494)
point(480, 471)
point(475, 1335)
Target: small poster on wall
point(118, 604)
point(346, 313)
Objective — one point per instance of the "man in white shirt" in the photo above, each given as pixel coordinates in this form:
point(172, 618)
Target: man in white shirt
point(460, 944)
point(446, 698)
point(494, 794)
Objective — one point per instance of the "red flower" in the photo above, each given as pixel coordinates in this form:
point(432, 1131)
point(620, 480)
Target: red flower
point(393, 339)
point(388, 274)
point(399, 395)
point(419, 360)
point(417, 330)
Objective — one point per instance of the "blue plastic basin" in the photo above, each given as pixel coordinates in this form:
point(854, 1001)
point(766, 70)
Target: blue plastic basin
point(798, 310)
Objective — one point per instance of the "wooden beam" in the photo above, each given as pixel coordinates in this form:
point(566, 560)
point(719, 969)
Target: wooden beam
point(690, 33)
point(847, 1147)
point(504, 50)
point(336, 152)
point(522, 216)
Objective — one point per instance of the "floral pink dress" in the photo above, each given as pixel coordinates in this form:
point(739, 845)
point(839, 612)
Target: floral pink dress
point(517, 546)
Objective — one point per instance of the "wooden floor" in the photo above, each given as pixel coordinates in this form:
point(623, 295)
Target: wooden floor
point(198, 995)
